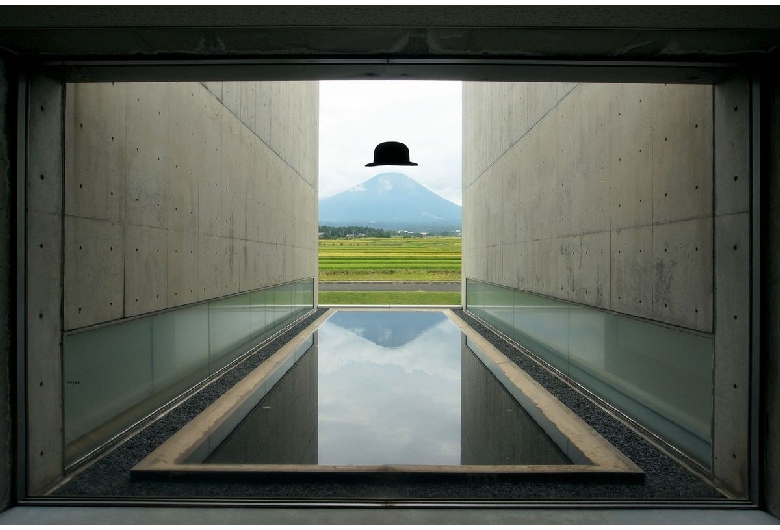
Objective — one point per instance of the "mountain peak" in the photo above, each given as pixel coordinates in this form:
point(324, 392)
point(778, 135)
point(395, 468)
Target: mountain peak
point(390, 200)
point(389, 183)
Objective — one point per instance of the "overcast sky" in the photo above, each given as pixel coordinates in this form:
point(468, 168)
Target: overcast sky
point(357, 115)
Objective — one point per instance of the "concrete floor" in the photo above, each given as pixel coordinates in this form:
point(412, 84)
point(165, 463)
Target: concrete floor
point(256, 515)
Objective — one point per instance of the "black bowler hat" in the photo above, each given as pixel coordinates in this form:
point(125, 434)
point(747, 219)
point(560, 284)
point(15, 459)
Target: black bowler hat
point(391, 154)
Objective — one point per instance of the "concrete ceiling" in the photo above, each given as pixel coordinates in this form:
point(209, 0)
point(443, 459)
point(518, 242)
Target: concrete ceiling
point(387, 42)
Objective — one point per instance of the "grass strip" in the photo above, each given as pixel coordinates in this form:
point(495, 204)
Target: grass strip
point(389, 297)
point(389, 275)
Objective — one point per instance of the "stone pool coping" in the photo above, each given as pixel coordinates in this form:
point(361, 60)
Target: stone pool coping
point(603, 459)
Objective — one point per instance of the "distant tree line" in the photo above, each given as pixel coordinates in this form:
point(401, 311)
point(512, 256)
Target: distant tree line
point(344, 232)
point(349, 232)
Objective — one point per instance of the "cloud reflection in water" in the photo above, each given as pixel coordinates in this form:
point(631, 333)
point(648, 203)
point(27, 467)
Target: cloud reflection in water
point(389, 405)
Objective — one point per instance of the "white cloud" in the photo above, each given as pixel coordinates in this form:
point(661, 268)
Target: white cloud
point(381, 405)
point(355, 116)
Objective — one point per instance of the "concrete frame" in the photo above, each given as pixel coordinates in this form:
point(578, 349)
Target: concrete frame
point(731, 473)
point(760, 174)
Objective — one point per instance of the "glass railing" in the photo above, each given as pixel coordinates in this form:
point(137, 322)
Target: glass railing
point(114, 375)
point(658, 375)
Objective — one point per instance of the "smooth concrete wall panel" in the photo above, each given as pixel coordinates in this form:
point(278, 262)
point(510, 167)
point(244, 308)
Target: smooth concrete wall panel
point(732, 371)
point(208, 267)
point(683, 273)
point(145, 269)
point(518, 124)
point(587, 161)
point(194, 162)
point(732, 138)
point(215, 87)
point(596, 189)
point(512, 193)
point(45, 194)
point(208, 127)
point(146, 151)
point(732, 283)
point(94, 272)
point(274, 138)
point(262, 125)
point(44, 311)
point(234, 248)
point(569, 249)
point(548, 186)
point(182, 279)
point(43, 284)
point(631, 285)
point(231, 97)
point(682, 154)
point(570, 169)
point(96, 117)
point(529, 175)
point(44, 334)
point(185, 159)
point(254, 191)
point(542, 98)
point(248, 103)
point(630, 157)
point(595, 267)
point(230, 211)
point(241, 255)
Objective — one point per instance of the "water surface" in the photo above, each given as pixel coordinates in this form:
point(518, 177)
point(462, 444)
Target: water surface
point(388, 387)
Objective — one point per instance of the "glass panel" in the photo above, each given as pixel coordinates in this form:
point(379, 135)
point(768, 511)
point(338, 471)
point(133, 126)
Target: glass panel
point(106, 371)
point(660, 376)
point(180, 342)
point(542, 326)
point(504, 300)
point(257, 316)
point(229, 328)
point(116, 374)
point(272, 308)
point(288, 301)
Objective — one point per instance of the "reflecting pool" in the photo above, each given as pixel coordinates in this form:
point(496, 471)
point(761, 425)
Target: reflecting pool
point(388, 388)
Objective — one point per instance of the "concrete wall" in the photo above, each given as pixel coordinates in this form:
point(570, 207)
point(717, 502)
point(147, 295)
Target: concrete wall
point(596, 194)
point(630, 198)
point(732, 283)
point(6, 178)
point(43, 283)
point(172, 197)
point(163, 197)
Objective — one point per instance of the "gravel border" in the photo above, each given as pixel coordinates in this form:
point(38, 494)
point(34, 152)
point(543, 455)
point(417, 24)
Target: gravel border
point(109, 477)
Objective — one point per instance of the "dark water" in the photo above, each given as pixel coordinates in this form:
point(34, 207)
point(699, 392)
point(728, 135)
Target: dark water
point(382, 387)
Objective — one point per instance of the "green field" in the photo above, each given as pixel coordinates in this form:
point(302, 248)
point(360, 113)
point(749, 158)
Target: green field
point(424, 259)
point(389, 298)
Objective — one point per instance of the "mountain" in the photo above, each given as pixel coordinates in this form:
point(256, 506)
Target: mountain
point(390, 201)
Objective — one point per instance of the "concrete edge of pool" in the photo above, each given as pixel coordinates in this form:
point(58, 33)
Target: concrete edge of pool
point(601, 459)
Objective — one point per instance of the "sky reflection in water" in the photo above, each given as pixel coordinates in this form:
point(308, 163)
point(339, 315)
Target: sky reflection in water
point(389, 392)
